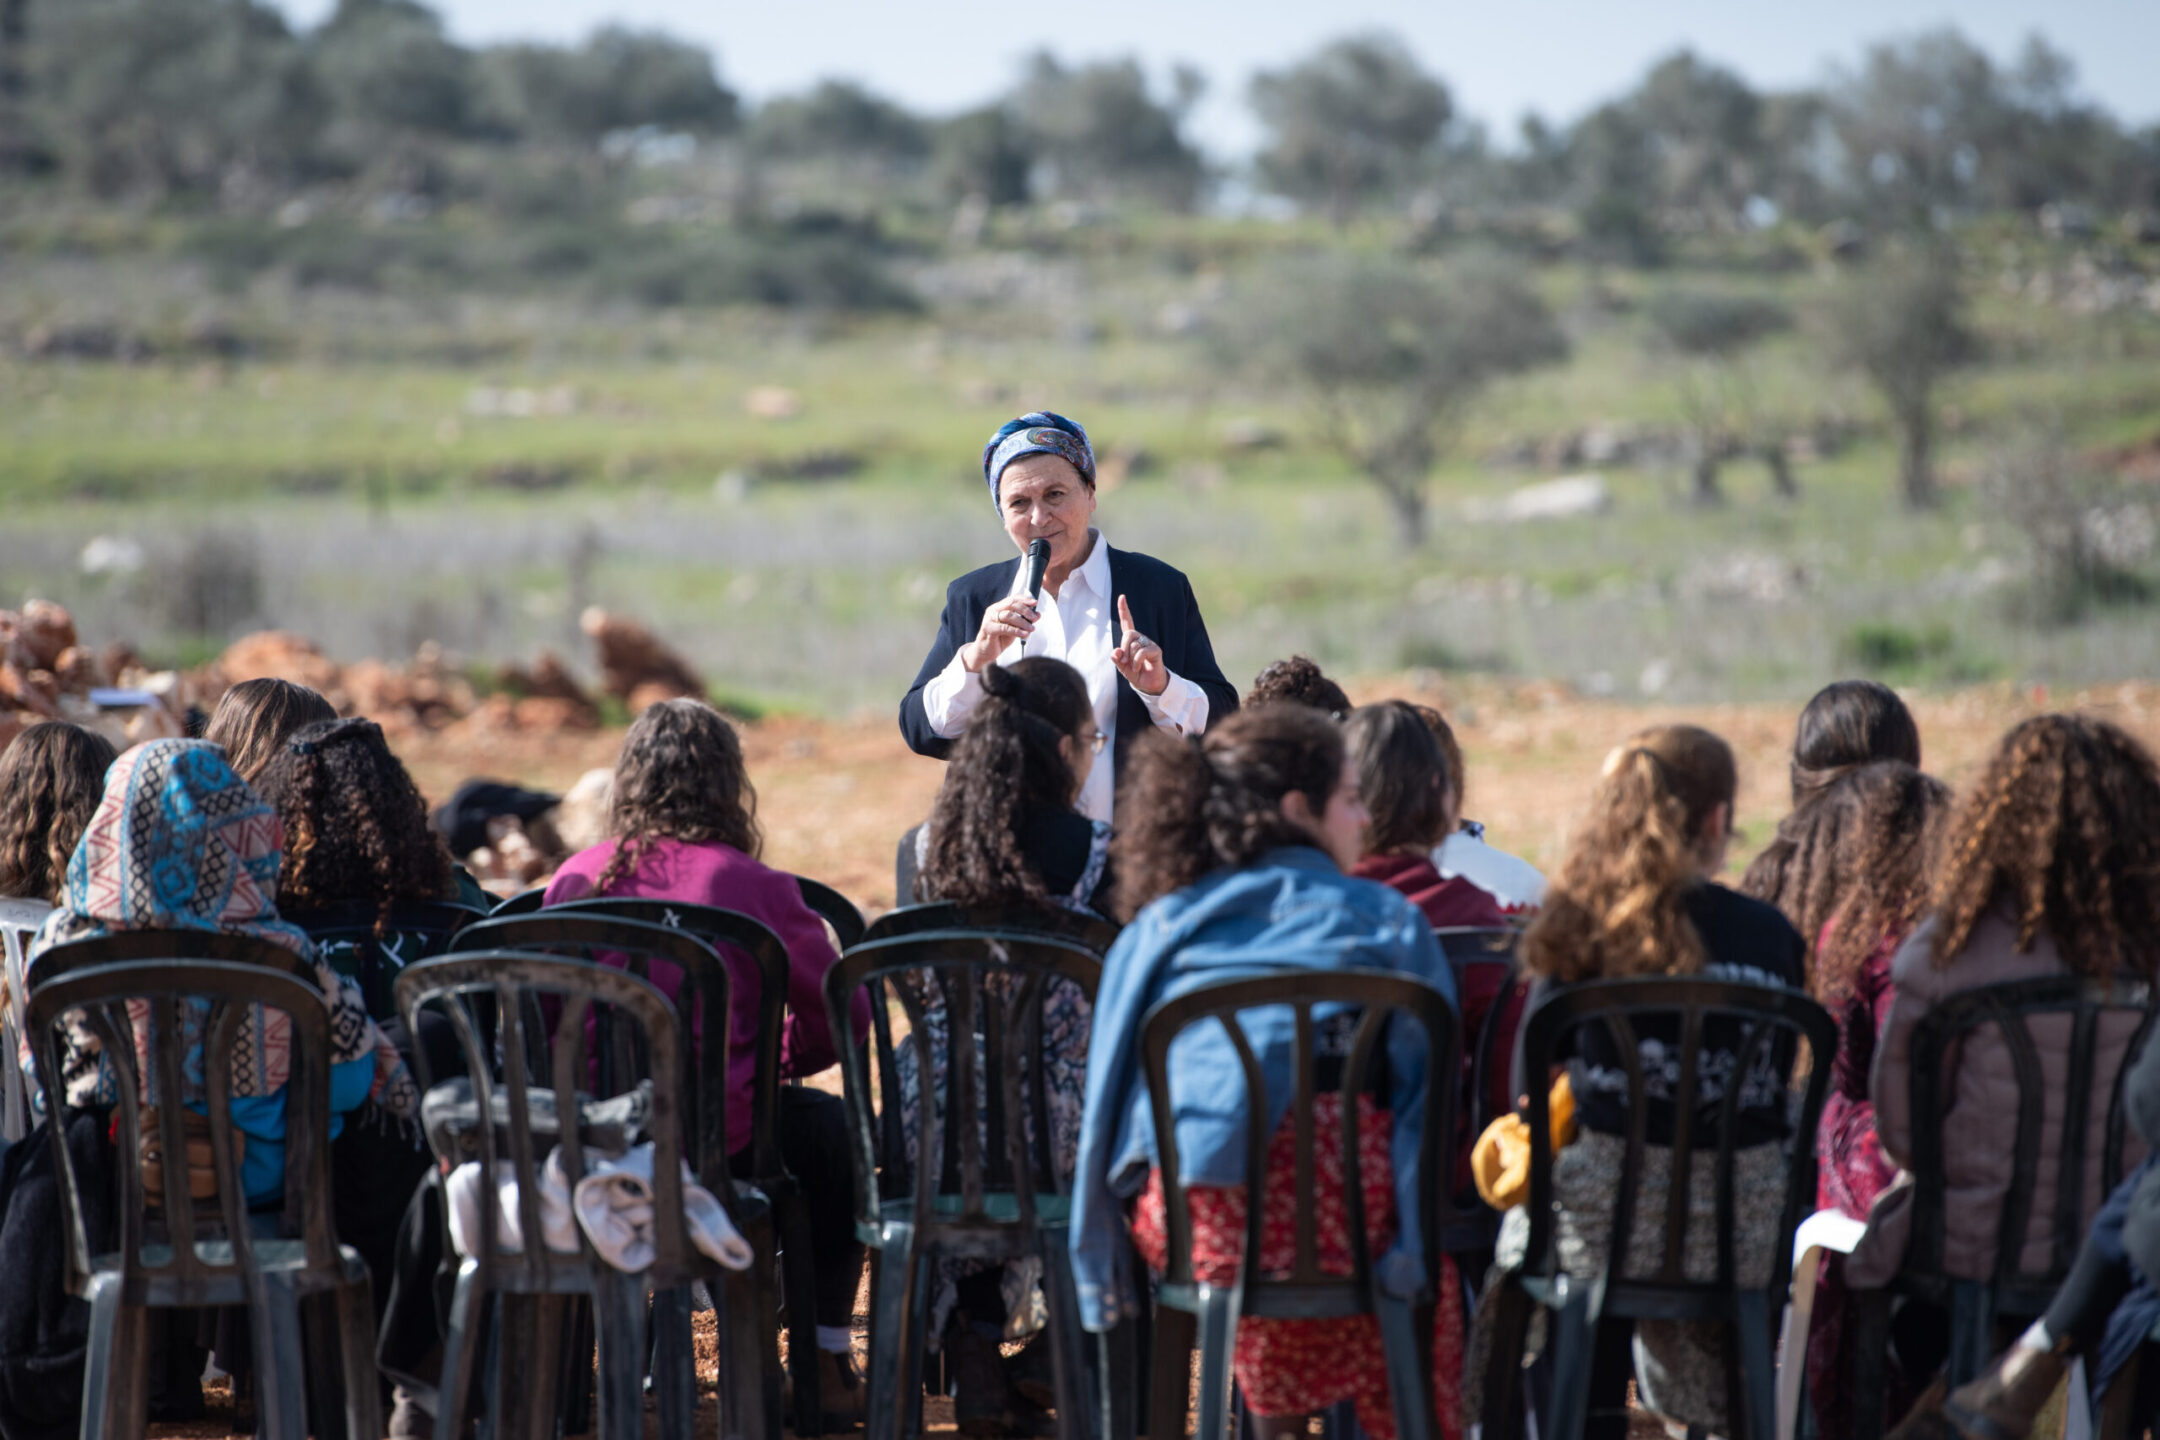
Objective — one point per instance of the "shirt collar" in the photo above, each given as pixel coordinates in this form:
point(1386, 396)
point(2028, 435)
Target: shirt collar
point(1094, 572)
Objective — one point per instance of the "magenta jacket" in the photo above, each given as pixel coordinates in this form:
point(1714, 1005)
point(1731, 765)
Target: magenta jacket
point(715, 874)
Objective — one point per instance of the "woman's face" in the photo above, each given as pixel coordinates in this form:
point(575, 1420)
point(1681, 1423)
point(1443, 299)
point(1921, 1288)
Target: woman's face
point(1042, 497)
point(1340, 826)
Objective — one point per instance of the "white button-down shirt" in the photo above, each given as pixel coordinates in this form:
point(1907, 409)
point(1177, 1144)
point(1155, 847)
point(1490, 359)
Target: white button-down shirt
point(1073, 626)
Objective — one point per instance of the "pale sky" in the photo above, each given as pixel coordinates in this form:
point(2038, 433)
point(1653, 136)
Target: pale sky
point(1555, 56)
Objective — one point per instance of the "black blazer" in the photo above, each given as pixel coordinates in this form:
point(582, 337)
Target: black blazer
point(1162, 606)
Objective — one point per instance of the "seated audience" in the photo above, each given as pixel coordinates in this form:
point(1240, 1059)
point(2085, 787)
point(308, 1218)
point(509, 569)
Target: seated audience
point(1847, 724)
point(1231, 855)
point(1298, 680)
point(1004, 834)
point(685, 823)
point(1005, 827)
point(1515, 885)
point(1634, 897)
point(255, 718)
point(2050, 866)
point(356, 835)
point(51, 779)
point(1864, 856)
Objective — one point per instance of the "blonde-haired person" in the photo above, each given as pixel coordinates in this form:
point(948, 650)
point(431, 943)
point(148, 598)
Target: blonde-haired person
point(2051, 866)
point(1635, 897)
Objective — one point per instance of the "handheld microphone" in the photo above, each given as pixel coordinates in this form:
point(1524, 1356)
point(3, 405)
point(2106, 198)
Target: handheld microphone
point(1038, 560)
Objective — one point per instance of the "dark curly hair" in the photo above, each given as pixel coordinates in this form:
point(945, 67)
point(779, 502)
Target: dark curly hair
point(1863, 852)
point(1618, 905)
point(1848, 724)
point(356, 827)
point(681, 776)
point(2064, 823)
point(1299, 680)
point(255, 718)
point(1403, 776)
point(52, 777)
point(1192, 806)
point(1006, 765)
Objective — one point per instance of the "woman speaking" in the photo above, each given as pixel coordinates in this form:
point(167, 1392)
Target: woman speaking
point(1128, 623)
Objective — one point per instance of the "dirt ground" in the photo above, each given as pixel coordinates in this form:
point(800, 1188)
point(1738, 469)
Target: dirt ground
point(835, 796)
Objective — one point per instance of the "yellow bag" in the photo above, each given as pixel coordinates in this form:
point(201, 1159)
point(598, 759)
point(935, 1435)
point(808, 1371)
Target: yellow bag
point(1500, 1161)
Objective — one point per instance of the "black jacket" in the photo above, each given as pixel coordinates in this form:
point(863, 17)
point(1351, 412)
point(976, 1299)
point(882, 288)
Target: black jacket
point(1162, 606)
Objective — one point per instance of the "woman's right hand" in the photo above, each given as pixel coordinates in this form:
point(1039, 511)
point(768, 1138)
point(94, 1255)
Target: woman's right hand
point(1010, 619)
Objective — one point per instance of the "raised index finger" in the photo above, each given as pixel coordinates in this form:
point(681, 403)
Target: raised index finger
point(1124, 614)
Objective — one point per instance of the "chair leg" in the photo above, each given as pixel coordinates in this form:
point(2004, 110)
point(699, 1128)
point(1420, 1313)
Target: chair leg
point(1079, 1417)
point(512, 1407)
point(353, 1307)
point(453, 1402)
point(1218, 1338)
point(674, 1363)
point(1792, 1343)
point(544, 1416)
point(798, 1280)
point(280, 1362)
point(619, 1324)
point(115, 1396)
point(1503, 1408)
point(1170, 1372)
point(1118, 1381)
point(1574, 1331)
point(574, 1397)
point(1972, 1330)
point(1755, 1417)
point(750, 1363)
point(1409, 1366)
point(1869, 1314)
point(895, 1344)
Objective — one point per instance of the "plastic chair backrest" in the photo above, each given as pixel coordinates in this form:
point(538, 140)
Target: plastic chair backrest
point(704, 998)
point(1766, 1012)
point(525, 902)
point(1092, 931)
point(1469, 950)
point(952, 968)
point(19, 922)
point(834, 909)
point(1381, 996)
point(518, 984)
point(2010, 1009)
point(100, 992)
point(430, 924)
point(758, 963)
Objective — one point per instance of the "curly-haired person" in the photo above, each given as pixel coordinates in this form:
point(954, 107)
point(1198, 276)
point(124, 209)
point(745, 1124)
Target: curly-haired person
point(1864, 857)
point(1300, 681)
point(2050, 866)
point(52, 776)
point(1231, 853)
point(685, 828)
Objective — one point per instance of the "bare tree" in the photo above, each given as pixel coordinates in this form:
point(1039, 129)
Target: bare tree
point(1712, 335)
point(1392, 357)
point(1901, 323)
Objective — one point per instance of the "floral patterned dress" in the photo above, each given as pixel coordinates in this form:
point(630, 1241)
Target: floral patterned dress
point(1289, 1367)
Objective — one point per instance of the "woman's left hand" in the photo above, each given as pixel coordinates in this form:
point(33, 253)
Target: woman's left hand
point(1139, 659)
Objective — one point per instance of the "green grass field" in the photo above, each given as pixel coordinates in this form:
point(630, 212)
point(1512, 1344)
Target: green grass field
point(381, 470)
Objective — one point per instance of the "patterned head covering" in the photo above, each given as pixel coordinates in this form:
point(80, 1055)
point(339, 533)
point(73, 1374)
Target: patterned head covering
point(179, 842)
point(1041, 432)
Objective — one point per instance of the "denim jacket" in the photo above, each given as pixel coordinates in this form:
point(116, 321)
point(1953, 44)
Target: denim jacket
point(1292, 910)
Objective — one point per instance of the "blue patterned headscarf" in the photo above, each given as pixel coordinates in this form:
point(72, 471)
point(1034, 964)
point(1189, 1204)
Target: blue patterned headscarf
point(1040, 432)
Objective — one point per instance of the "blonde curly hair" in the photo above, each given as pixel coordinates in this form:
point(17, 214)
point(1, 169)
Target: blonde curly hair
point(1617, 905)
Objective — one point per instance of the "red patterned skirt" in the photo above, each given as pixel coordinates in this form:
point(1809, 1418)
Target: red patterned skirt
point(1290, 1367)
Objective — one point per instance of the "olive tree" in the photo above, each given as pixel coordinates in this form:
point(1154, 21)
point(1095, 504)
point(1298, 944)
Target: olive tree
point(1901, 323)
point(1348, 122)
point(1392, 357)
point(1712, 335)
